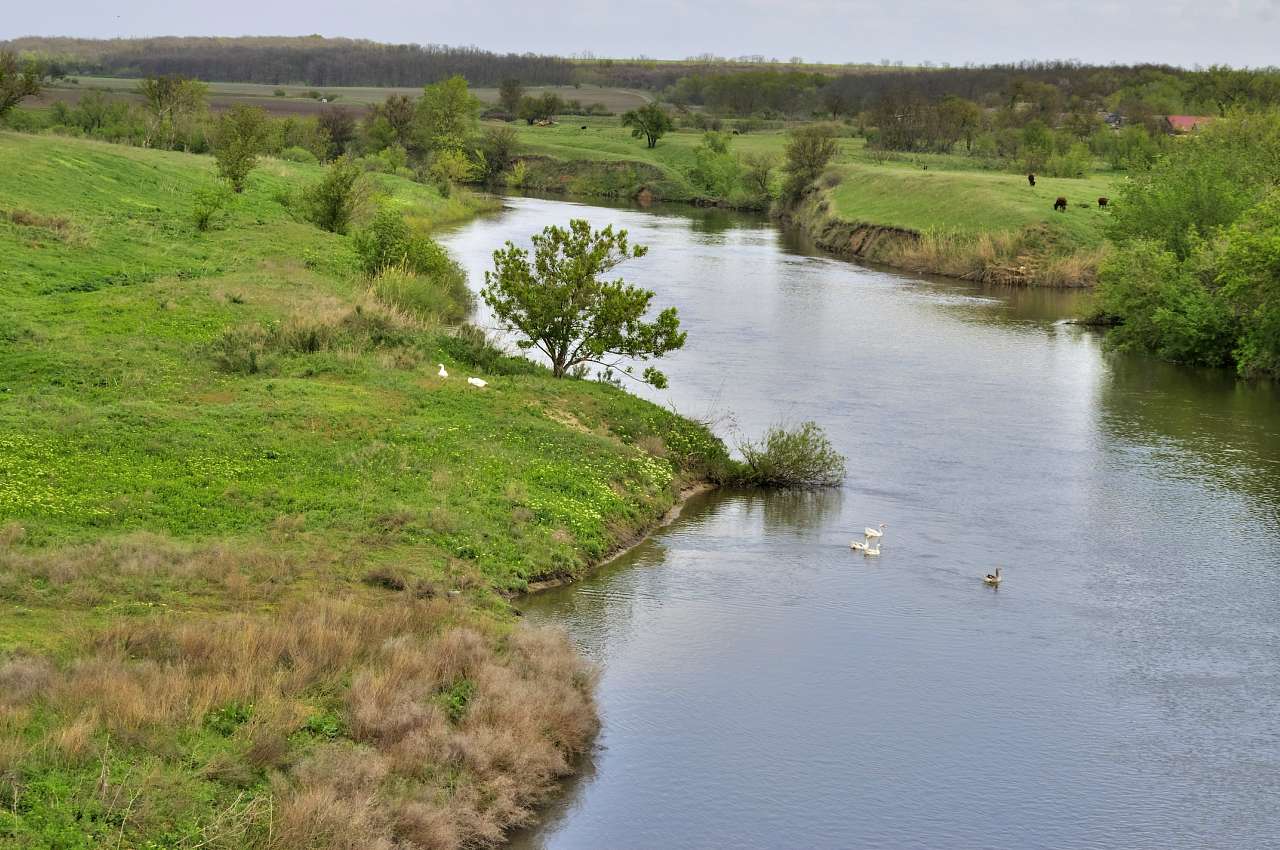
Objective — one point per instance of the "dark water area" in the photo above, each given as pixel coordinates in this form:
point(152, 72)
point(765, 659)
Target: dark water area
point(763, 686)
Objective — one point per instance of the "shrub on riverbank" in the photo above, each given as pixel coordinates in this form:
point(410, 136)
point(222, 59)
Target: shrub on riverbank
point(1196, 276)
point(796, 457)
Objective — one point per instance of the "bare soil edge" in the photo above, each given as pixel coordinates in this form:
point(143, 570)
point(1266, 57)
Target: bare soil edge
point(673, 513)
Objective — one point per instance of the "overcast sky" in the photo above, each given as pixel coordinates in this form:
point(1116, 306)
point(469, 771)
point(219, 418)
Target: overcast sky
point(1182, 32)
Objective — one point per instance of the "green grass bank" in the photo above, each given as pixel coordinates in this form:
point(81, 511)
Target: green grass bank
point(254, 552)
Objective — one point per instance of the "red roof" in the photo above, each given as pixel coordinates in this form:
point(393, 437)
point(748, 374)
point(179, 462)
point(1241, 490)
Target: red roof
point(1187, 123)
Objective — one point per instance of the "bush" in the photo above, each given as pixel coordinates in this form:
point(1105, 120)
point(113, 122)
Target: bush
point(808, 152)
point(1165, 307)
point(439, 298)
point(298, 154)
point(1205, 182)
point(389, 242)
point(206, 203)
point(497, 149)
point(802, 457)
point(389, 160)
point(239, 136)
point(331, 203)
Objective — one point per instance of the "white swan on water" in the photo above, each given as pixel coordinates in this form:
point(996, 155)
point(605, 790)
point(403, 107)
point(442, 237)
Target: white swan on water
point(870, 542)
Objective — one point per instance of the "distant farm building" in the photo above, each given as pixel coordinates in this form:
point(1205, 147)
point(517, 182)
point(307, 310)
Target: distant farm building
point(1178, 125)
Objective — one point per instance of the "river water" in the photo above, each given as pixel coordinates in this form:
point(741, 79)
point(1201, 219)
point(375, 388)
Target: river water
point(765, 687)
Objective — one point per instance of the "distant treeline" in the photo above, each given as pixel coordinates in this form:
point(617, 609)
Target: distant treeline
point(726, 88)
point(309, 60)
point(1055, 86)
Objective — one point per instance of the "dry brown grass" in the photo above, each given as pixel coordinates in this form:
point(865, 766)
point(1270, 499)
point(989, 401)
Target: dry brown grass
point(451, 735)
point(996, 257)
point(1076, 269)
point(143, 567)
point(952, 254)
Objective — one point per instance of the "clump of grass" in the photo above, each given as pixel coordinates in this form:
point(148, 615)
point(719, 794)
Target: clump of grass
point(954, 254)
point(798, 457)
point(1079, 268)
point(368, 326)
point(439, 299)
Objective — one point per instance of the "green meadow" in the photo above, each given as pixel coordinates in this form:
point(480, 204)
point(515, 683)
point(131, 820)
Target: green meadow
point(230, 475)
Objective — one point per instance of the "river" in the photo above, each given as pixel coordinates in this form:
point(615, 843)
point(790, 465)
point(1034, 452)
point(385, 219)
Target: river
point(763, 686)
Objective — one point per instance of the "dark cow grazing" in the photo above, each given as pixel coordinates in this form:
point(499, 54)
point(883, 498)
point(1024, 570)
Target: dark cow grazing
point(583, 127)
point(1102, 202)
point(1060, 204)
point(737, 132)
point(1031, 179)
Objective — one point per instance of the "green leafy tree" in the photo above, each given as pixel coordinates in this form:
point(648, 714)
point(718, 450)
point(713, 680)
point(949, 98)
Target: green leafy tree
point(331, 203)
point(390, 123)
point(1249, 274)
point(238, 139)
point(715, 170)
point(509, 94)
point(650, 121)
point(1205, 182)
point(171, 103)
point(17, 81)
point(544, 107)
point(558, 304)
point(497, 151)
point(338, 126)
point(757, 173)
point(446, 115)
point(808, 152)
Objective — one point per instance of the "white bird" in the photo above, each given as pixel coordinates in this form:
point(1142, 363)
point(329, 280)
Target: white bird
point(870, 543)
point(444, 373)
point(477, 382)
point(992, 579)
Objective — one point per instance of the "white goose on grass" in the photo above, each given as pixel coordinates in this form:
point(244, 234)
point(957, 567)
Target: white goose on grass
point(870, 542)
point(444, 373)
point(477, 382)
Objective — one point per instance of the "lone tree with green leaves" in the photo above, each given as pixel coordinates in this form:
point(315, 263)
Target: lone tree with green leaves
point(446, 115)
point(18, 80)
point(171, 102)
point(650, 121)
point(808, 151)
point(509, 94)
point(559, 305)
point(238, 138)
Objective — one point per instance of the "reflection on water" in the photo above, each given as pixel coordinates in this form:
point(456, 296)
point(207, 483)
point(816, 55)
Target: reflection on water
point(763, 686)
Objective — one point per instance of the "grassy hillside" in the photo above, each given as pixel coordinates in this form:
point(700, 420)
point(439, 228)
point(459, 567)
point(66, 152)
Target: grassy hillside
point(252, 547)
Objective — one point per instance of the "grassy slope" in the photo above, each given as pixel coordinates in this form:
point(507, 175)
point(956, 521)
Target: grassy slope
point(968, 201)
point(144, 493)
